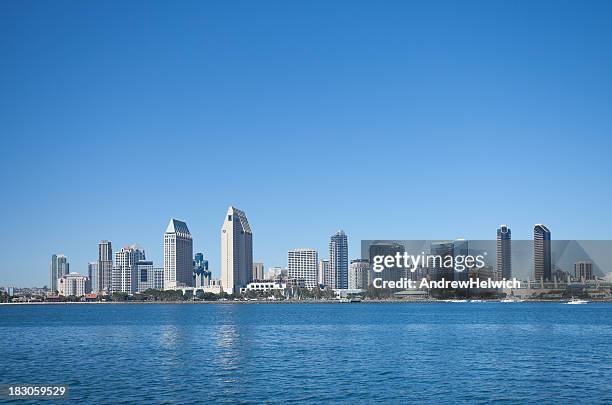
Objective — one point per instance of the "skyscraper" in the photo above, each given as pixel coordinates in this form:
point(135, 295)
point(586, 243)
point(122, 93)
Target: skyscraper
point(302, 266)
point(236, 251)
point(541, 253)
point(201, 274)
point(178, 255)
point(59, 267)
point(359, 273)
point(389, 273)
point(149, 277)
point(125, 274)
point(338, 260)
point(92, 271)
point(258, 271)
point(323, 272)
point(504, 252)
point(105, 265)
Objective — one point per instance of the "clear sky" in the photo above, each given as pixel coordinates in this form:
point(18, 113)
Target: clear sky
point(390, 120)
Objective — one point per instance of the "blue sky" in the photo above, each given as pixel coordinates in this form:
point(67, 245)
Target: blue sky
point(390, 120)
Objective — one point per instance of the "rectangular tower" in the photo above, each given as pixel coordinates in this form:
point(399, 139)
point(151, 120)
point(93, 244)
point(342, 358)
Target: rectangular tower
point(178, 255)
point(236, 251)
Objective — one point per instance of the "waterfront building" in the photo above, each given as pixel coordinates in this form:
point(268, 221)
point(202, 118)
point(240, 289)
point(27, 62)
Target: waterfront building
point(72, 284)
point(58, 268)
point(264, 286)
point(178, 255)
point(236, 251)
point(583, 270)
point(323, 272)
point(105, 266)
point(504, 252)
point(338, 260)
point(201, 274)
point(359, 274)
point(258, 271)
point(92, 272)
point(302, 265)
point(542, 262)
point(125, 275)
point(148, 277)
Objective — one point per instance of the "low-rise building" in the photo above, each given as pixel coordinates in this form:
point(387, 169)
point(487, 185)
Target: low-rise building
point(72, 284)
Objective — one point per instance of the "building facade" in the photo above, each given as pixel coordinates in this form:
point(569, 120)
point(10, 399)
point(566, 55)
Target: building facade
point(323, 272)
point(504, 252)
point(542, 262)
point(72, 284)
point(148, 277)
point(258, 271)
point(201, 274)
point(92, 272)
point(338, 260)
point(302, 264)
point(359, 274)
point(583, 271)
point(236, 251)
point(178, 255)
point(58, 268)
point(105, 266)
point(125, 275)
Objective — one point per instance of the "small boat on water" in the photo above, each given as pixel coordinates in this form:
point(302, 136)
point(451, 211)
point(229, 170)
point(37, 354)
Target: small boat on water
point(511, 300)
point(576, 301)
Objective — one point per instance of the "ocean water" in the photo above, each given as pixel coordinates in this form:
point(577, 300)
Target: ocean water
point(312, 353)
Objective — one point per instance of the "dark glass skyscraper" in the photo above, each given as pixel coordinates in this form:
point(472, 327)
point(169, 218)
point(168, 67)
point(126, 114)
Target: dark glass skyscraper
point(504, 252)
point(541, 253)
point(338, 259)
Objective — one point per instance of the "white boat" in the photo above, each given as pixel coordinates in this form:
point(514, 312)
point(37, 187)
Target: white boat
point(576, 301)
point(511, 300)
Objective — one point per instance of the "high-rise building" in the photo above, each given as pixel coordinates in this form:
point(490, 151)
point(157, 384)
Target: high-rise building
point(92, 271)
point(302, 265)
point(583, 270)
point(322, 277)
point(72, 284)
point(201, 274)
point(504, 252)
point(178, 255)
point(236, 251)
point(389, 273)
point(105, 266)
point(460, 249)
point(542, 253)
point(438, 271)
point(59, 267)
point(338, 260)
point(125, 275)
point(258, 271)
point(359, 273)
point(148, 277)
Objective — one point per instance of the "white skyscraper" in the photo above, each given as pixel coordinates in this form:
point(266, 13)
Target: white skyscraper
point(59, 267)
point(178, 255)
point(105, 265)
point(236, 251)
point(302, 265)
point(124, 276)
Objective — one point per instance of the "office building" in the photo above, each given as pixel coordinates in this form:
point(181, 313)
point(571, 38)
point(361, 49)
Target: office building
point(178, 255)
point(58, 268)
point(105, 266)
point(323, 272)
point(302, 265)
point(359, 274)
point(236, 251)
point(583, 271)
point(542, 262)
point(258, 271)
point(504, 252)
point(125, 276)
point(72, 284)
point(92, 272)
point(338, 260)
point(201, 274)
point(148, 277)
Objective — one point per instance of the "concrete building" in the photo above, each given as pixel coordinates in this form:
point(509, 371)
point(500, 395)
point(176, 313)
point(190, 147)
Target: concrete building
point(583, 270)
point(542, 262)
point(72, 284)
point(236, 251)
point(302, 264)
point(148, 277)
point(323, 272)
point(359, 274)
point(92, 272)
point(258, 271)
point(58, 268)
point(125, 275)
point(338, 260)
point(178, 255)
point(105, 266)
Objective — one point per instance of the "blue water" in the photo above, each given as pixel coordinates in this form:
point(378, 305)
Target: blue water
point(312, 353)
